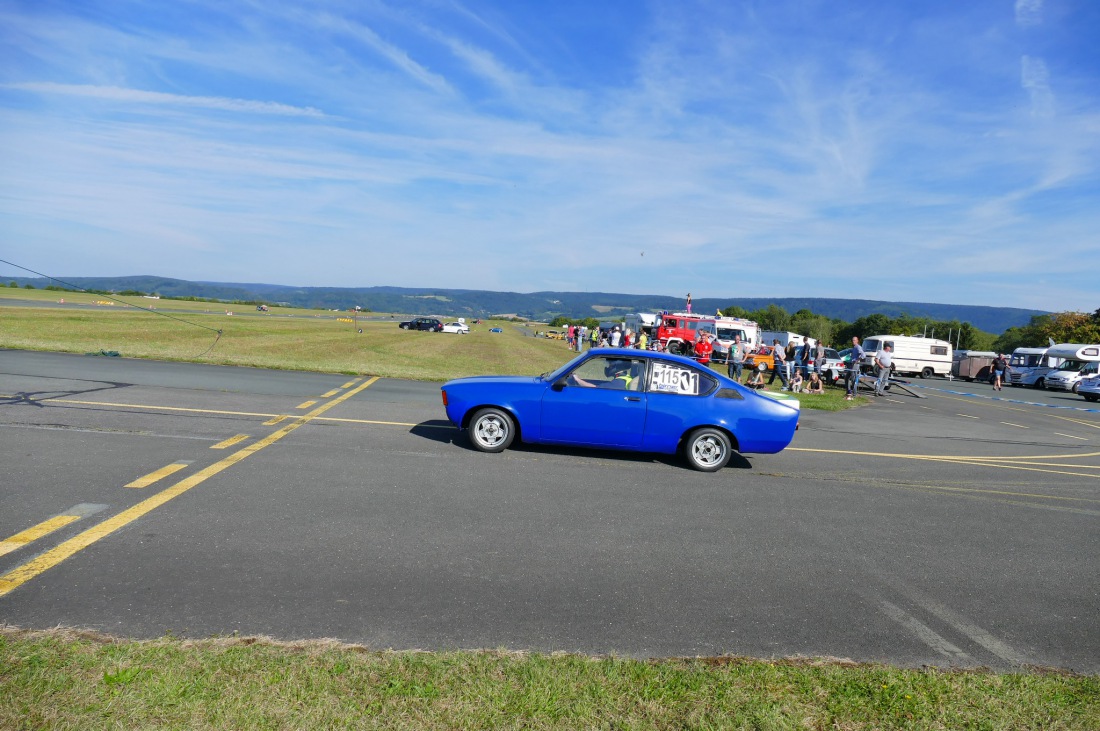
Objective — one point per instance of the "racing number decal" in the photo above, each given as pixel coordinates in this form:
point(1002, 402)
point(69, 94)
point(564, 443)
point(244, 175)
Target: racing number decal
point(668, 378)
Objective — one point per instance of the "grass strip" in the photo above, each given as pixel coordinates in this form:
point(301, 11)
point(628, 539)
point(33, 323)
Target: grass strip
point(64, 679)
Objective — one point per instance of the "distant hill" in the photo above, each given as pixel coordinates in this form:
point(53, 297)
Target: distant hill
point(540, 306)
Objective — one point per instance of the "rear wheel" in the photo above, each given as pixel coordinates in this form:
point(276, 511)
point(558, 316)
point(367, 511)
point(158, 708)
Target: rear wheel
point(492, 430)
point(1090, 397)
point(1041, 384)
point(708, 449)
point(926, 372)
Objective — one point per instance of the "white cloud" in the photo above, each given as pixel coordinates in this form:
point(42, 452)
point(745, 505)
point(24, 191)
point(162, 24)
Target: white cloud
point(1035, 78)
point(137, 96)
point(1029, 12)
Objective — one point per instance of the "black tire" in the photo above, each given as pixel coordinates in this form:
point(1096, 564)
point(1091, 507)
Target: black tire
point(1041, 384)
point(926, 372)
point(1090, 397)
point(1074, 388)
point(762, 367)
point(708, 449)
point(491, 430)
point(404, 327)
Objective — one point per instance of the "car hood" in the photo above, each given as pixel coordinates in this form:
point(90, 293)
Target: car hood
point(499, 380)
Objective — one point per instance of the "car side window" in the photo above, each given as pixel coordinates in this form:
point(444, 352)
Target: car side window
point(678, 379)
point(612, 373)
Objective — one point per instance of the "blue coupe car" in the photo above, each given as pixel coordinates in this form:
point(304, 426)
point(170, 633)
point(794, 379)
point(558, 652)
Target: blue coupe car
point(618, 398)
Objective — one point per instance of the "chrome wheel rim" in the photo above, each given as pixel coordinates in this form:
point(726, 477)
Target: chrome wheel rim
point(490, 431)
point(708, 451)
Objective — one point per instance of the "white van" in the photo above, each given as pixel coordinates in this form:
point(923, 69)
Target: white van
point(912, 356)
point(1080, 362)
point(1030, 366)
point(730, 327)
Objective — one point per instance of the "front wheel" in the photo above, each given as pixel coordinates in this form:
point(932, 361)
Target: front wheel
point(708, 449)
point(404, 327)
point(1090, 397)
point(1041, 384)
point(492, 430)
point(926, 372)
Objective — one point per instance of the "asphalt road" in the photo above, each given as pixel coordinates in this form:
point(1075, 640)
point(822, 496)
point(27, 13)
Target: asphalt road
point(960, 529)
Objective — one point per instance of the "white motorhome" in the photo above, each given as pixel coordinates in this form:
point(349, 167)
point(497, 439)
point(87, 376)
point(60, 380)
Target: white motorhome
point(639, 322)
point(912, 356)
point(1030, 366)
point(1080, 362)
point(730, 327)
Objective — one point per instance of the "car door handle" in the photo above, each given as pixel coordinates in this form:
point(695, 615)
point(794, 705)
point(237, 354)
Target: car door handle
point(632, 398)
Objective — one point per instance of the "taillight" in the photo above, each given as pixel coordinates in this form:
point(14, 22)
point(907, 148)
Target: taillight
point(444, 397)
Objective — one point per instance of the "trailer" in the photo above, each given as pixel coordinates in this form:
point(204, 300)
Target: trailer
point(914, 356)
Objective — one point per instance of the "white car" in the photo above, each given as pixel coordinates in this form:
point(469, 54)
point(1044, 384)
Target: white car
point(456, 327)
point(1089, 388)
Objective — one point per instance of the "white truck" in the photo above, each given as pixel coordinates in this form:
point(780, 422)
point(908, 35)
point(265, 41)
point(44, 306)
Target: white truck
point(727, 329)
point(912, 356)
point(1030, 366)
point(1080, 361)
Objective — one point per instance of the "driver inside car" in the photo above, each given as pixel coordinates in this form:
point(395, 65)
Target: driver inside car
point(618, 374)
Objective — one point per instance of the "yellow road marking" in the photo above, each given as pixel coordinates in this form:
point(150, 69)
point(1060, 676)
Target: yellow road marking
point(35, 532)
point(230, 441)
point(273, 418)
point(158, 408)
point(1020, 426)
point(1083, 439)
point(305, 404)
point(349, 384)
point(331, 393)
point(962, 458)
point(1005, 463)
point(160, 474)
point(22, 574)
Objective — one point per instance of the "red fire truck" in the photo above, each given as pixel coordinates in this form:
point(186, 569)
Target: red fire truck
point(678, 331)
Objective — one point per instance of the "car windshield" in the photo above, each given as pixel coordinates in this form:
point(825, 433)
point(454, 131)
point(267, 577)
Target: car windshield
point(551, 376)
point(1071, 365)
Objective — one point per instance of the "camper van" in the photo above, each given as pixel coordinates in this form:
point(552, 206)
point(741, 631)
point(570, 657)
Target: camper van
point(922, 357)
point(1030, 366)
point(730, 327)
point(1081, 361)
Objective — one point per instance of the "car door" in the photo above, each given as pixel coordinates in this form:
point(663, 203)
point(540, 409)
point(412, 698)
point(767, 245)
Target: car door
point(602, 414)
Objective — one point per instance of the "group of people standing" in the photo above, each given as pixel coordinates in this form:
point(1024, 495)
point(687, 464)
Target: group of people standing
point(791, 365)
point(577, 336)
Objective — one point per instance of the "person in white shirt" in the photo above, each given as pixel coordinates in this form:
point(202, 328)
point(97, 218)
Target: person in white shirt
point(883, 360)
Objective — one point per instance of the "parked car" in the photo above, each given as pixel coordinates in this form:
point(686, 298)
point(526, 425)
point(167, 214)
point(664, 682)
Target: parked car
point(761, 358)
point(622, 398)
point(457, 327)
point(1089, 388)
point(422, 323)
point(834, 363)
point(555, 335)
point(496, 330)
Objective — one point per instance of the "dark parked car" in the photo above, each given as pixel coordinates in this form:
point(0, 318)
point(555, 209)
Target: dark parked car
point(615, 398)
point(423, 323)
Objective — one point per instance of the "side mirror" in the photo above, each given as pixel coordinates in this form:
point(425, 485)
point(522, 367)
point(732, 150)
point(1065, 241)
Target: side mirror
point(561, 383)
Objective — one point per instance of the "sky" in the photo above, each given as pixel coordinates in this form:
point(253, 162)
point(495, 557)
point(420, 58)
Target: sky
point(932, 151)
